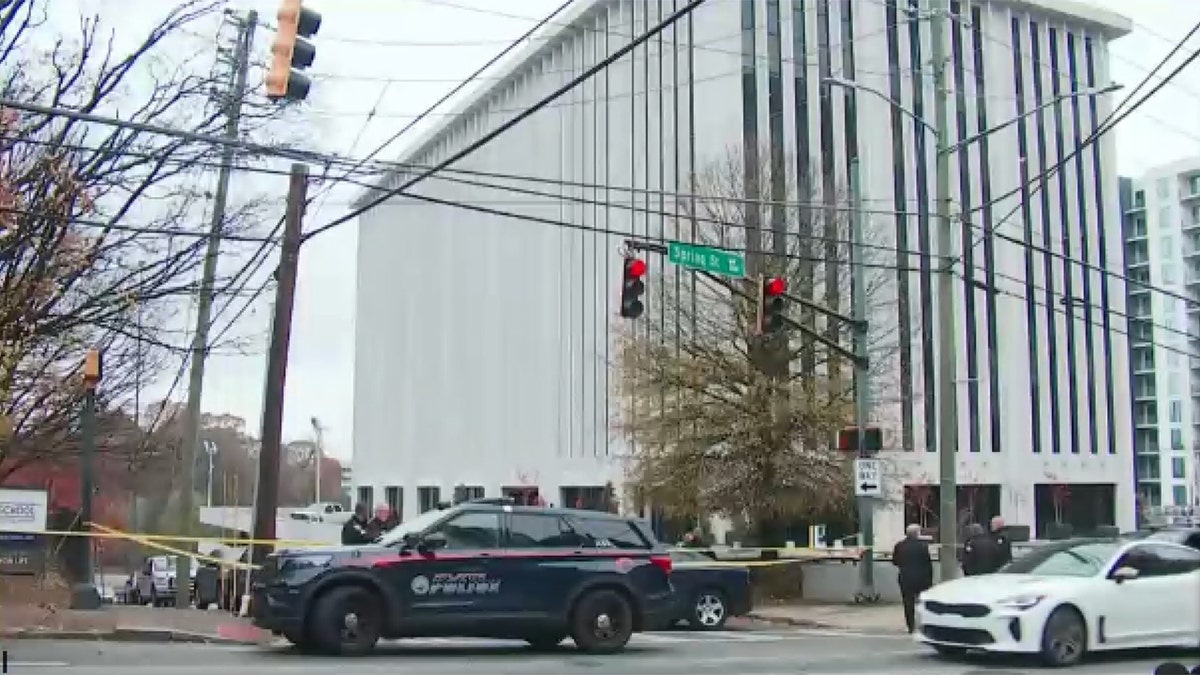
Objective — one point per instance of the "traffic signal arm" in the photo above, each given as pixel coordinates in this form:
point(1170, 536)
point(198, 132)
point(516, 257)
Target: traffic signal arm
point(849, 354)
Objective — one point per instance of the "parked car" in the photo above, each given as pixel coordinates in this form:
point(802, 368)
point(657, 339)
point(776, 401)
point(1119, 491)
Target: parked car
point(1068, 598)
point(707, 593)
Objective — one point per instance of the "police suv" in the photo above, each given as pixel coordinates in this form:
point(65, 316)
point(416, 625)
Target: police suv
point(486, 569)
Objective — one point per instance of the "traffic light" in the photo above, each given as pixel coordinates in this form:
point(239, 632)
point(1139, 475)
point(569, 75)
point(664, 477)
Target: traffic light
point(632, 288)
point(771, 305)
point(291, 52)
point(872, 439)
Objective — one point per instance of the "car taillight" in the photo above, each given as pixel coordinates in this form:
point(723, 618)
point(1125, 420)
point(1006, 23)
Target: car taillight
point(662, 562)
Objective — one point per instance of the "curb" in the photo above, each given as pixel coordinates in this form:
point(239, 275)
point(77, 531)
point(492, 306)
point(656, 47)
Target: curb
point(121, 634)
point(816, 625)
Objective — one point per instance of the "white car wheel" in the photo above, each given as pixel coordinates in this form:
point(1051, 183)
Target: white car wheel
point(1064, 639)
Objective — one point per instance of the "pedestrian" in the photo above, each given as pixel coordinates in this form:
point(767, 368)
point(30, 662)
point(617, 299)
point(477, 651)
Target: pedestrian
point(355, 532)
point(977, 546)
point(911, 557)
point(1003, 554)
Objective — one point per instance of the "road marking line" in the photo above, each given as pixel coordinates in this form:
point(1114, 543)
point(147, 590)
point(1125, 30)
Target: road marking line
point(38, 664)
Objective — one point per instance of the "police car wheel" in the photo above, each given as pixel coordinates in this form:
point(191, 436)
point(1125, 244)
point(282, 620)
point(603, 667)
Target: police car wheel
point(709, 611)
point(602, 622)
point(346, 621)
point(545, 642)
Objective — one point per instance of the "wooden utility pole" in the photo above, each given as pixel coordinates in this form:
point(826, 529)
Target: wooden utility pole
point(267, 496)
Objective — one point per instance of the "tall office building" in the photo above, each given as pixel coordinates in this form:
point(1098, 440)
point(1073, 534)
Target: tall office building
point(483, 348)
point(1162, 260)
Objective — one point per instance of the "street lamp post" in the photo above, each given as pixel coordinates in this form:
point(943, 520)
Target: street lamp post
point(210, 449)
point(318, 452)
point(947, 348)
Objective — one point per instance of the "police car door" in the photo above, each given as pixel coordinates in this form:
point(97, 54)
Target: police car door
point(460, 577)
point(544, 563)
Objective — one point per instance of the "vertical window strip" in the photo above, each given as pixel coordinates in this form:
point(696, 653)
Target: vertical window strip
point(989, 243)
point(1039, 119)
point(968, 254)
point(900, 205)
point(1082, 206)
point(916, 63)
point(804, 185)
point(1105, 312)
point(1031, 315)
point(1064, 213)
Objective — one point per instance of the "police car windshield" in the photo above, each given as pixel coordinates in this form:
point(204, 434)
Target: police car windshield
point(414, 526)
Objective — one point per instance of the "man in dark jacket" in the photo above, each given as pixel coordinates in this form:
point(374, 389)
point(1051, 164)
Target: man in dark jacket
point(1003, 554)
point(356, 531)
point(911, 557)
point(978, 551)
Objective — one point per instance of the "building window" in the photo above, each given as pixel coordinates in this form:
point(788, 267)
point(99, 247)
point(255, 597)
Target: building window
point(1176, 412)
point(467, 493)
point(1151, 495)
point(1177, 439)
point(1166, 246)
point(1178, 468)
point(366, 495)
point(1169, 277)
point(1163, 187)
point(1139, 199)
point(1194, 185)
point(1180, 493)
point(428, 498)
point(394, 497)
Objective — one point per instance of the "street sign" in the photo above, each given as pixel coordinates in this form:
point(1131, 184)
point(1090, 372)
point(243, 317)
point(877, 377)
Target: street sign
point(714, 260)
point(867, 479)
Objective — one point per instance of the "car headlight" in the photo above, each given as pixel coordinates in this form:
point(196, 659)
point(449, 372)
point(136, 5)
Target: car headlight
point(305, 562)
point(1021, 602)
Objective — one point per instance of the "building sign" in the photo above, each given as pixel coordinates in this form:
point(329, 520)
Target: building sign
point(22, 510)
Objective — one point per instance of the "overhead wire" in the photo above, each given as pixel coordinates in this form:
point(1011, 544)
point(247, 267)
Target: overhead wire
point(517, 119)
point(450, 94)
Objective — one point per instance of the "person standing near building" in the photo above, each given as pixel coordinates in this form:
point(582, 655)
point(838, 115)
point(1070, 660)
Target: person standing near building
point(911, 557)
point(999, 535)
point(977, 552)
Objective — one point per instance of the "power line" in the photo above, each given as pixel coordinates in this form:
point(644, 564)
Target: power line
point(1109, 123)
point(105, 225)
point(488, 137)
point(450, 94)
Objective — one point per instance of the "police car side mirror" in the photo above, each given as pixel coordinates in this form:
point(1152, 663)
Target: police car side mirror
point(431, 542)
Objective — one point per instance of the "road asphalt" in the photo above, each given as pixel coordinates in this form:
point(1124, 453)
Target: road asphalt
point(791, 652)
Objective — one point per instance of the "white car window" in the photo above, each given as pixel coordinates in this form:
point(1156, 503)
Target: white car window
point(1065, 560)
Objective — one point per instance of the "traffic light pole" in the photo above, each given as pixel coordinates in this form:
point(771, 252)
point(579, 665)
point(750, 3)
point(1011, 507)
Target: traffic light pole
point(862, 390)
point(267, 500)
point(204, 302)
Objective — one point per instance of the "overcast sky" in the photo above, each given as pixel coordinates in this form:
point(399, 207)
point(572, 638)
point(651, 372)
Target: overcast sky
point(399, 56)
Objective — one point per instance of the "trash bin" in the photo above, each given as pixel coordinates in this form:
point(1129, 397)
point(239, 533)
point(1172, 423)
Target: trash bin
point(207, 586)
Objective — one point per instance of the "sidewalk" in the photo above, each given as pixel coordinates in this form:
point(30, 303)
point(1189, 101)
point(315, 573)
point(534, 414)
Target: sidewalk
point(125, 623)
point(879, 618)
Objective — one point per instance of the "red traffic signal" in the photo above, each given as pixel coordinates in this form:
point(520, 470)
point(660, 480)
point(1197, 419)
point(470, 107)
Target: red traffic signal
point(632, 288)
point(636, 268)
point(771, 306)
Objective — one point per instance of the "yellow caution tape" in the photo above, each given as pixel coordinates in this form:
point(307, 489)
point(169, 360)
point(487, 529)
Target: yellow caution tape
point(170, 549)
point(108, 533)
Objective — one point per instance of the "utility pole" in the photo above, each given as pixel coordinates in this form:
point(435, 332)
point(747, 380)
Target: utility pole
point(947, 345)
point(862, 370)
point(267, 493)
point(191, 420)
point(85, 594)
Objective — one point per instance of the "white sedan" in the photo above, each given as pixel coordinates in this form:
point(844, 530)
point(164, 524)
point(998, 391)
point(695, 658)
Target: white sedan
point(1067, 598)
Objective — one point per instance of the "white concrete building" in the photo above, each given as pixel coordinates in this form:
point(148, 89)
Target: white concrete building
point(482, 340)
point(1162, 249)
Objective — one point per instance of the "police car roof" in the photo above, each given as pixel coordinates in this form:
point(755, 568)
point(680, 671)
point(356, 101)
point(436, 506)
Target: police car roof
point(508, 504)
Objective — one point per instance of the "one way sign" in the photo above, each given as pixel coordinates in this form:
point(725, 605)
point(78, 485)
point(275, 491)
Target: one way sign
point(867, 479)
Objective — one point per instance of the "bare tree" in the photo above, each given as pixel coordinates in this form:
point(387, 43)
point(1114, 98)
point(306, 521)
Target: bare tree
point(723, 419)
point(102, 226)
